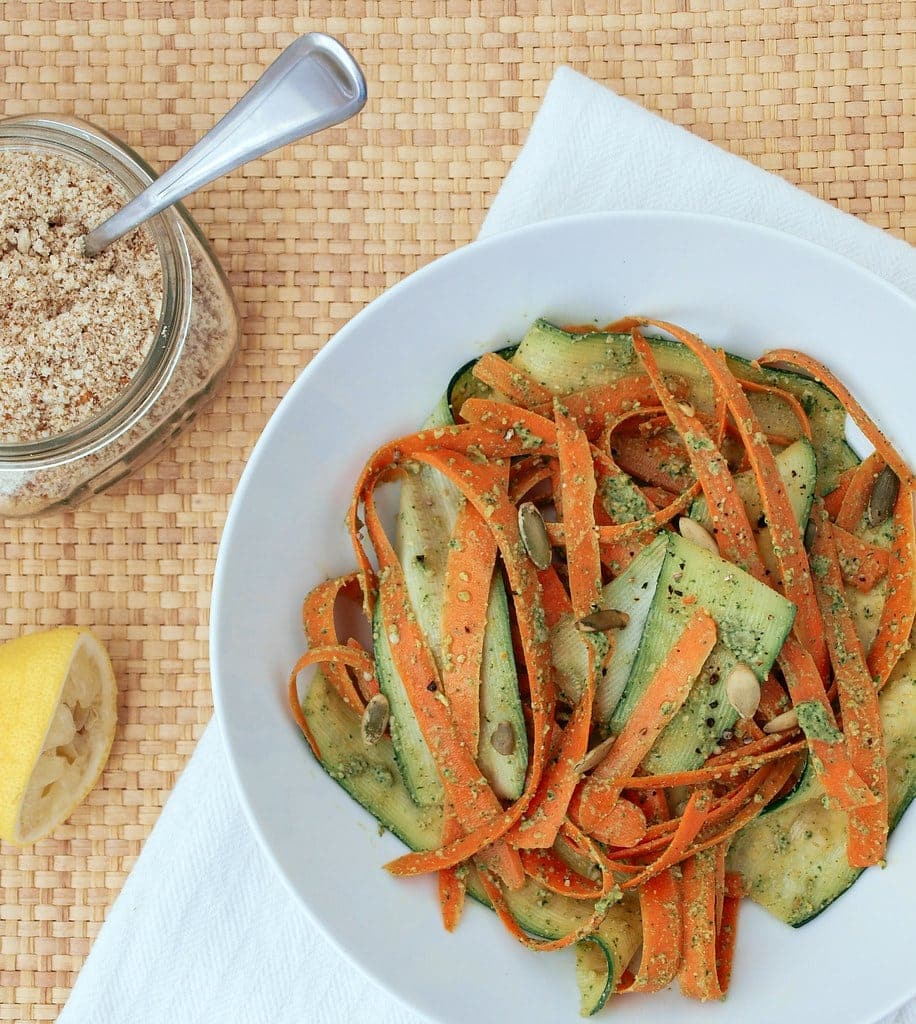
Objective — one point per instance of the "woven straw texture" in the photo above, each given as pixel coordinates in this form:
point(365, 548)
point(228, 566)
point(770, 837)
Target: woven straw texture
point(821, 94)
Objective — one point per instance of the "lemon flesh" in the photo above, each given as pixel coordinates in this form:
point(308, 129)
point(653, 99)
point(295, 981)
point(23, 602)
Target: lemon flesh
point(58, 713)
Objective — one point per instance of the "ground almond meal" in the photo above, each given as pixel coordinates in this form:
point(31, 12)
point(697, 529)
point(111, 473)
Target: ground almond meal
point(73, 330)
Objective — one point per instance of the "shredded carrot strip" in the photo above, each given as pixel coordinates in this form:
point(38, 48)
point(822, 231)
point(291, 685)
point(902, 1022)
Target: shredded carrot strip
point(712, 772)
point(543, 819)
point(862, 420)
point(468, 577)
point(451, 885)
point(662, 699)
point(700, 973)
point(577, 482)
point(509, 380)
point(835, 770)
point(656, 460)
point(728, 927)
point(624, 824)
point(731, 811)
point(554, 598)
point(466, 594)
point(834, 500)
point(661, 913)
point(337, 654)
point(863, 565)
point(656, 496)
point(695, 816)
point(858, 490)
point(546, 868)
point(597, 407)
point(526, 478)
point(899, 612)
point(858, 703)
point(320, 631)
point(392, 457)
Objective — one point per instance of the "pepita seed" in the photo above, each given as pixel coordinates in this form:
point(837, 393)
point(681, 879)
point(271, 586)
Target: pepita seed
point(782, 723)
point(502, 739)
point(743, 690)
point(691, 530)
point(534, 535)
point(602, 620)
point(883, 497)
point(595, 756)
point(375, 720)
point(686, 408)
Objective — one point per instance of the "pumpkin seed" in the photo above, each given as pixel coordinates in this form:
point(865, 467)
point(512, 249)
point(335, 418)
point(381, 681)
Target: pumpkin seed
point(782, 723)
point(602, 620)
point(595, 756)
point(686, 408)
point(502, 739)
point(883, 497)
point(691, 530)
point(743, 690)
point(375, 720)
point(534, 535)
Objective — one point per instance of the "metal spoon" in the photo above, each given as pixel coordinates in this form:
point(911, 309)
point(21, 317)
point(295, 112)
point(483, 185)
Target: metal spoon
point(315, 83)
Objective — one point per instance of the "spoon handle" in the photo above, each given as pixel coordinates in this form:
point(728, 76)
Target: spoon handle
point(314, 83)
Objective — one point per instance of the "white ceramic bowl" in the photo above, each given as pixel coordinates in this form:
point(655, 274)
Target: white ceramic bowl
point(739, 286)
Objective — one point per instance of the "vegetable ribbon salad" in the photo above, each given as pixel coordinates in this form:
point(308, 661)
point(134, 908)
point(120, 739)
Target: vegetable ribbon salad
point(641, 648)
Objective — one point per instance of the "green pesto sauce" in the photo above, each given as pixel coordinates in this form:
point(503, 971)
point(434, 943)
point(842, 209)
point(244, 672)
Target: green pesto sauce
point(812, 717)
point(622, 501)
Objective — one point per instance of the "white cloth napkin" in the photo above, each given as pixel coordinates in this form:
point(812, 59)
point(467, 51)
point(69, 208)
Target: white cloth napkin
point(203, 931)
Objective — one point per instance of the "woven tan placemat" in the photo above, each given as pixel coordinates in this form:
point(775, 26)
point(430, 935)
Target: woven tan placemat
point(822, 94)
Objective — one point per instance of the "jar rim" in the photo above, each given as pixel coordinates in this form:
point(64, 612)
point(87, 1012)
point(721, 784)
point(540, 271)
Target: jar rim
point(77, 139)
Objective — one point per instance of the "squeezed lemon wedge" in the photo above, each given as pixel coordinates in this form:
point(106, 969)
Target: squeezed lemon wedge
point(58, 713)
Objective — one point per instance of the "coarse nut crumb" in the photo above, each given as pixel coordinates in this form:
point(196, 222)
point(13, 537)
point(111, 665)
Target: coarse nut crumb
point(73, 330)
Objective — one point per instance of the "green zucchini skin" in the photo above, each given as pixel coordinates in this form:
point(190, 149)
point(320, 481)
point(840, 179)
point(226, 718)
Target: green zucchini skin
point(370, 775)
point(594, 974)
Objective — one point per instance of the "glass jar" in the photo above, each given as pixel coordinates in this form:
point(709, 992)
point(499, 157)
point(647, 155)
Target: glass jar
point(196, 339)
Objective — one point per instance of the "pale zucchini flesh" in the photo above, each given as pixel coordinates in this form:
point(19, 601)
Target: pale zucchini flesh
point(594, 975)
point(632, 592)
point(500, 701)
